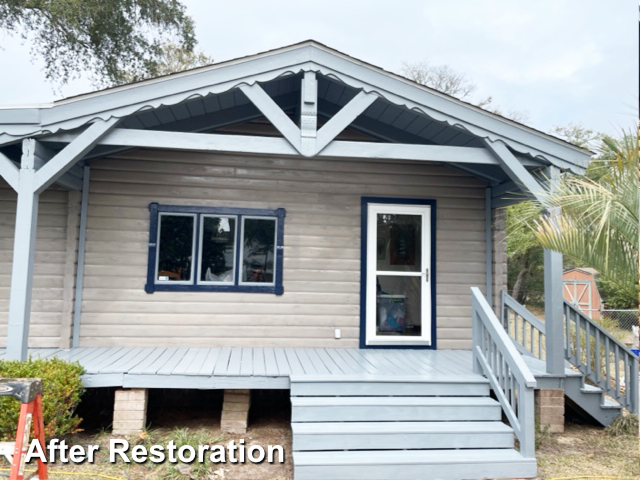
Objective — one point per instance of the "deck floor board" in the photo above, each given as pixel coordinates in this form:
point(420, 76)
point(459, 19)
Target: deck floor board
point(172, 362)
point(106, 357)
point(151, 366)
point(283, 363)
point(331, 365)
point(222, 362)
point(269, 367)
point(208, 364)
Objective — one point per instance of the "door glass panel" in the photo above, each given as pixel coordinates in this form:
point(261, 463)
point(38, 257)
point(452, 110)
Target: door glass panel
point(399, 243)
point(258, 250)
point(175, 248)
point(218, 249)
point(398, 305)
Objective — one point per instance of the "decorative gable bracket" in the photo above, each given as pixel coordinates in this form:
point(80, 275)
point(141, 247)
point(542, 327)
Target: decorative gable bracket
point(307, 139)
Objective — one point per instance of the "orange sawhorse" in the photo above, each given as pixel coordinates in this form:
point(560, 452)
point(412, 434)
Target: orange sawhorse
point(29, 393)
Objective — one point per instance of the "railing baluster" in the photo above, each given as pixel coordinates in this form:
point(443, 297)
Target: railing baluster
point(598, 358)
point(578, 343)
point(587, 338)
point(626, 376)
point(633, 385)
point(616, 355)
point(540, 345)
point(607, 366)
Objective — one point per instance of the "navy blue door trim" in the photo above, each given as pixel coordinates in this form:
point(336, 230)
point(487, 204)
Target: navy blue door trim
point(363, 267)
point(155, 209)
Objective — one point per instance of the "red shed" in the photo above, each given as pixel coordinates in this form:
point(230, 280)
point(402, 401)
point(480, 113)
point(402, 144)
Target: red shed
point(580, 289)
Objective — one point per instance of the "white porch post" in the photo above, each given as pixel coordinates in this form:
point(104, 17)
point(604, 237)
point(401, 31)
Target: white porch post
point(23, 256)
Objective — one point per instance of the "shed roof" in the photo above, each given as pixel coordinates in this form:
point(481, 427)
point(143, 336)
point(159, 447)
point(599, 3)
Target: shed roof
point(587, 270)
point(410, 110)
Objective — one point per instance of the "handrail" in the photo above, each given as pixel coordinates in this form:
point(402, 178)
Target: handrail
point(524, 328)
point(495, 356)
point(603, 359)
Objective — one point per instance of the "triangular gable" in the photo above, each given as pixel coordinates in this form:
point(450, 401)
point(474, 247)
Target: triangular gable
point(127, 100)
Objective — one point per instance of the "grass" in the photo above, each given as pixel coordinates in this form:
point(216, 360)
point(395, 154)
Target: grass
point(581, 451)
point(623, 426)
point(194, 436)
point(590, 451)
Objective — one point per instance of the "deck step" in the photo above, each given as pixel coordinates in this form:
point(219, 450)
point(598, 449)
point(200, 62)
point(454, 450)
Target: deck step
point(413, 464)
point(400, 435)
point(592, 401)
point(389, 409)
point(388, 386)
point(586, 388)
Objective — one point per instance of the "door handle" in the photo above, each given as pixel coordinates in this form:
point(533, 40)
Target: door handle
point(426, 272)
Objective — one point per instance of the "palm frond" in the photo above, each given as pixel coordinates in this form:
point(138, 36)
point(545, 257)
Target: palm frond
point(598, 221)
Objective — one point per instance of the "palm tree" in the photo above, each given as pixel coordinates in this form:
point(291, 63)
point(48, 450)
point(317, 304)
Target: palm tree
point(598, 221)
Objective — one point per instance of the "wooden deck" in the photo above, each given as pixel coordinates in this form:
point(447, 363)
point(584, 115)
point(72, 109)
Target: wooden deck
point(266, 368)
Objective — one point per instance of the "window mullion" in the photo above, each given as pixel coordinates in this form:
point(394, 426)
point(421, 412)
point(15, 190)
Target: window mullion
point(195, 264)
point(239, 253)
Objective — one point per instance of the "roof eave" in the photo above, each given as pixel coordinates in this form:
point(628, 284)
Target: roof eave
point(127, 99)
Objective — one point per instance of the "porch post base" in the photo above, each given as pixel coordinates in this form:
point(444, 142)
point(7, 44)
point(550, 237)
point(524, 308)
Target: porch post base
point(235, 411)
point(130, 411)
point(549, 408)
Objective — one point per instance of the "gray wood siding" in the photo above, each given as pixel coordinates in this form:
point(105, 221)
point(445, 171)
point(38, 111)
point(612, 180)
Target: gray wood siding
point(47, 305)
point(321, 256)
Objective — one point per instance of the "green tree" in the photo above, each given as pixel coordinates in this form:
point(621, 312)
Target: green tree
point(445, 79)
point(598, 222)
point(578, 134)
point(439, 77)
point(112, 39)
point(172, 59)
point(525, 271)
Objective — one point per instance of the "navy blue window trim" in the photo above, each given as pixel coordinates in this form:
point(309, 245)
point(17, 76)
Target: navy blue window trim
point(155, 210)
point(364, 216)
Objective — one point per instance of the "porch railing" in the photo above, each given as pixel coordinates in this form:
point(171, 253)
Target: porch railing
point(604, 360)
point(496, 357)
point(524, 328)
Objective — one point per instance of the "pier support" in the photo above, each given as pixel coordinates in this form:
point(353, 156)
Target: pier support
point(235, 411)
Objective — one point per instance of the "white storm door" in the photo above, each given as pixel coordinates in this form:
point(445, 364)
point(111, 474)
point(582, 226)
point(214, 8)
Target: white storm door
point(398, 293)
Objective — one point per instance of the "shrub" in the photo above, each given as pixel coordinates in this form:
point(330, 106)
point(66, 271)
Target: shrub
point(62, 390)
point(624, 425)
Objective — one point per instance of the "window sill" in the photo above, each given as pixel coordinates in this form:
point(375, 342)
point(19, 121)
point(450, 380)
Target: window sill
point(273, 289)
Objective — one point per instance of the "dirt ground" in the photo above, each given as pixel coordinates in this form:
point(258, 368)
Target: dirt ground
point(583, 450)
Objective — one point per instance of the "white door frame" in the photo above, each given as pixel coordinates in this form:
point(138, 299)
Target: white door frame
point(426, 274)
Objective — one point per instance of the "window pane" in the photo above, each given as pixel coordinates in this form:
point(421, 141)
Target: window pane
point(258, 254)
point(399, 243)
point(175, 250)
point(399, 306)
point(218, 249)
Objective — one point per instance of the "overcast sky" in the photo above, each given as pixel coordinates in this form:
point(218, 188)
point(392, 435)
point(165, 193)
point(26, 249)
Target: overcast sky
point(560, 61)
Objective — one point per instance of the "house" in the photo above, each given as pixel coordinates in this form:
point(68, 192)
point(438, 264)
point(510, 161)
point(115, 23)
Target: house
point(300, 219)
point(581, 289)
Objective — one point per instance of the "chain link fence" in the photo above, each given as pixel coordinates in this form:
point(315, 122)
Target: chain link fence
point(625, 319)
